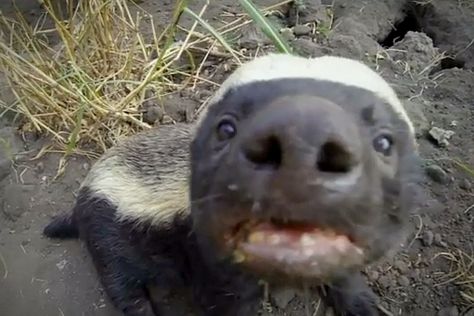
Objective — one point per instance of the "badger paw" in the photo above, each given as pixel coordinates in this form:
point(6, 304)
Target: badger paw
point(352, 297)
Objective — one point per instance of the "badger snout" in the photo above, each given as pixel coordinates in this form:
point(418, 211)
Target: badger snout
point(302, 135)
point(301, 157)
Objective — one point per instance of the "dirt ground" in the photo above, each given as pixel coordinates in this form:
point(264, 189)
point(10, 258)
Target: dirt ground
point(43, 277)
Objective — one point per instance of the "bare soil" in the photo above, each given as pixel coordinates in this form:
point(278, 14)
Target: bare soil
point(43, 277)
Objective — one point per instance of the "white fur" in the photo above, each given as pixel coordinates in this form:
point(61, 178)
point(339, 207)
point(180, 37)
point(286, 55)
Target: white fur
point(331, 68)
point(135, 199)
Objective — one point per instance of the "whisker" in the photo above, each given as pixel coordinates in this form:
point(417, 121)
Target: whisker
point(206, 199)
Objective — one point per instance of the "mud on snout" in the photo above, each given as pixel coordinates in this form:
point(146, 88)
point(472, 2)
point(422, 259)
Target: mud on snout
point(303, 188)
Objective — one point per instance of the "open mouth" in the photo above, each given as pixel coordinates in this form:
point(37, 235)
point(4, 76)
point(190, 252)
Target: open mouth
point(295, 249)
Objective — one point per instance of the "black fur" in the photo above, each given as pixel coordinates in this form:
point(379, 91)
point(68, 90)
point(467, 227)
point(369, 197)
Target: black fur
point(62, 226)
point(351, 297)
point(130, 258)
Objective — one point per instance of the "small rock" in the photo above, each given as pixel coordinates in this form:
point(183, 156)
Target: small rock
point(253, 37)
point(86, 166)
point(465, 184)
point(15, 201)
point(428, 238)
point(385, 281)
point(299, 30)
point(401, 266)
point(373, 276)
point(287, 34)
point(437, 174)
point(307, 48)
point(61, 264)
point(308, 11)
point(282, 296)
point(428, 281)
point(330, 312)
point(439, 241)
point(39, 167)
point(153, 114)
point(441, 136)
point(179, 107)
point(152, 111)
point(415, 275)
point(25, 242)
point(449, 311)
point(403, 281)
point(167, 120)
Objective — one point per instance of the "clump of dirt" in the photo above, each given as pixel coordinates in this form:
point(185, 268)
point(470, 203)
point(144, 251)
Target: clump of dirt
point(39, 276)
point(450, 25)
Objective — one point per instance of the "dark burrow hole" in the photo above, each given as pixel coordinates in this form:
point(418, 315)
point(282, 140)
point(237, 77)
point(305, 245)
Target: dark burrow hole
point(450, 62)
point(401, 28)
point(414, 20)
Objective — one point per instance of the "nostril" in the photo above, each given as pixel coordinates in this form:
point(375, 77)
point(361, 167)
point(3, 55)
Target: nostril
point(264, 152)
point(333, 157)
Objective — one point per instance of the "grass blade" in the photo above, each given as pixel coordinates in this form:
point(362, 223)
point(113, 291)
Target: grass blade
point(214, 33)
point(469, 170)
point(266, 26)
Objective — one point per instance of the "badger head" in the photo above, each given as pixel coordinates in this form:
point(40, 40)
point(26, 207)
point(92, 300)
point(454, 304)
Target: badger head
point(302, 168)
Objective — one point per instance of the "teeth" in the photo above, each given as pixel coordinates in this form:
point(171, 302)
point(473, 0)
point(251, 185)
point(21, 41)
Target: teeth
point(256, 207)
point(233, 187)
point(274, 239)
point(330, 233)
point(308, 252)
point(238, 256)
point(257, 237)
point(307, 240)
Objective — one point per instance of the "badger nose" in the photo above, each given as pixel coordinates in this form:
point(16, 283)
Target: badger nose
point(303, 133)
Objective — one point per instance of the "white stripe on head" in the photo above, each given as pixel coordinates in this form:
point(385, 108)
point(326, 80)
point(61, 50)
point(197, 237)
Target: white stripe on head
point(330, 68)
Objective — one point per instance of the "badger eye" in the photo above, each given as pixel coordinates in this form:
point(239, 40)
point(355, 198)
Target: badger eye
point(383, 144)
point(226, 130)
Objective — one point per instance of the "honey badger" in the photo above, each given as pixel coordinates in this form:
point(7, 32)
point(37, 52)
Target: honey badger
point(300, 171)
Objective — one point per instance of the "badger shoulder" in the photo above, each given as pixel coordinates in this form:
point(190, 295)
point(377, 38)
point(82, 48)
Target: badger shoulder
point(342, 70)
point(145, 176)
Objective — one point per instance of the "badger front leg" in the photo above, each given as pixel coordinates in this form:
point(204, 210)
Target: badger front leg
point(229, 299)
point(222, 290)
point(123, 266)
point(351, 296)
point(123, 281)
point(127, 293)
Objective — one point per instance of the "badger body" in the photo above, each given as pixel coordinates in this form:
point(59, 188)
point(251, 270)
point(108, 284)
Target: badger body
point(300, 171)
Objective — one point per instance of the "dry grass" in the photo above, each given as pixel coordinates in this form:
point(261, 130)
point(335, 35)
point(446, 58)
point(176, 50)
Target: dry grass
point(89, 88)
point(461, 273)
